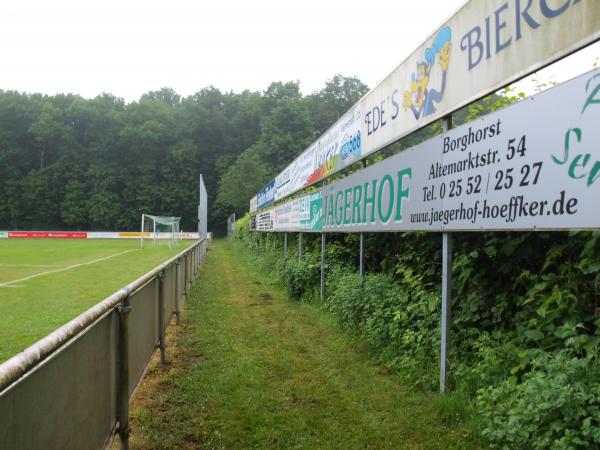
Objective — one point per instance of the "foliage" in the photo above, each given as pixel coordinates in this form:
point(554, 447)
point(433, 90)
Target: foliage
point(556, 405)
point(298, 276)
point(97, 164)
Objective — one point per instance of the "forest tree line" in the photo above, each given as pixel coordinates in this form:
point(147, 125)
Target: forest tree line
point(71, 163)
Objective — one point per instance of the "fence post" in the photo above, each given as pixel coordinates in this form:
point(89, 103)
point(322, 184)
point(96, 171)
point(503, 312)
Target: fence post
point(300, 247)
point(285, 246)
point(185, 290)
point(177, 289)
point(161, 316)
point(446, 294)
point(190, 270)
point(195, 261)
point(323, 242)
point(123, 311)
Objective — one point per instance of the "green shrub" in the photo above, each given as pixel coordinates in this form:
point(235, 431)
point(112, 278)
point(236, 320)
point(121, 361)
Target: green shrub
point(299, 277)
point(555, 406)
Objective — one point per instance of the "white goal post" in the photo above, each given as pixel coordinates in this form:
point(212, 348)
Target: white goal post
point(160, 227)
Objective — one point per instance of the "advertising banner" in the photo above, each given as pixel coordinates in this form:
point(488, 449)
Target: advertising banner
point(301, 214)
point(533, 165)
point(253, 204)
point(286, 217)
point(337, 148)
point(310, 212)
point(264, 221)
point(266, 196)
point(89, 235)
point(111, 235)
point(47, 235)
point(485, 45)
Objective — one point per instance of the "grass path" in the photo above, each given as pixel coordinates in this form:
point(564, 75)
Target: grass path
point(250, 369)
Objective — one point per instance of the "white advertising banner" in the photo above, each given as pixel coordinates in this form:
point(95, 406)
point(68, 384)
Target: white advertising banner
point(485, 45)
point(533, 165)
point(253, 204)
point(302, 213)
point(337, 148)
point(264, 221)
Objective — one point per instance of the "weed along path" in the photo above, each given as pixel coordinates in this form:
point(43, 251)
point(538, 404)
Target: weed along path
point(251, 369)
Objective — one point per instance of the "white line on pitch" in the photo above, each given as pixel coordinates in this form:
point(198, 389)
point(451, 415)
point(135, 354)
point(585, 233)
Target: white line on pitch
point(74, 266)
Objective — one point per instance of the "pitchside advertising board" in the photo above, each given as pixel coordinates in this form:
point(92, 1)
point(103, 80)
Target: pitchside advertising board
point(533, 165)
point(482, 47)
point(90, 235)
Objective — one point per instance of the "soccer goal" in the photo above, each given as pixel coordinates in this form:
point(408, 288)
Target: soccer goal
point(160, 227)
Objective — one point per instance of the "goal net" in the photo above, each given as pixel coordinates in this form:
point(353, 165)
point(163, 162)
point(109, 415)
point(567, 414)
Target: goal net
point(156, 228)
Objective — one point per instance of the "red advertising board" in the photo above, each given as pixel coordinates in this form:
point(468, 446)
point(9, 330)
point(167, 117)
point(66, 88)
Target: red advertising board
point(47, 235)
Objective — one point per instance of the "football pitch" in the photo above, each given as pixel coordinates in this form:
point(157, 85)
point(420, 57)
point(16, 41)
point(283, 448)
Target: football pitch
point(44, 283)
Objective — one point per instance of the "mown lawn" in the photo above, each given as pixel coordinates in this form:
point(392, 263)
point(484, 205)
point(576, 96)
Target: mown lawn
point(251, 369)
point(32, 308)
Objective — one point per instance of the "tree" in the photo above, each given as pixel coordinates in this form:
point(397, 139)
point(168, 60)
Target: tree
point(48, 131)
point(246, 176)
point(334, 100)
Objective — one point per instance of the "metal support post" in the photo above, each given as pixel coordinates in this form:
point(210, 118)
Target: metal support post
point(323, 242)
point(300, 249)
point(123, 311)
point(177, 290)
point(446, 294)
point(161, 316)
point(285, 246)
point(446, 308)
point(361, 254)
point(361, 257)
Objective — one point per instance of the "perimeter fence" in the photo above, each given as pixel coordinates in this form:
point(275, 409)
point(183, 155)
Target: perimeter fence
point(71, 390)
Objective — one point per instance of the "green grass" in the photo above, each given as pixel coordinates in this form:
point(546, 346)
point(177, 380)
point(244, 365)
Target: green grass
point(38, 306)
point(255, 370)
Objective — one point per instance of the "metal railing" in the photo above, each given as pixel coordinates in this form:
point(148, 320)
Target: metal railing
point(71, 389)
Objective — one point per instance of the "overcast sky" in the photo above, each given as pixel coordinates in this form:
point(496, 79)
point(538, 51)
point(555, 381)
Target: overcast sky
point(129, 47)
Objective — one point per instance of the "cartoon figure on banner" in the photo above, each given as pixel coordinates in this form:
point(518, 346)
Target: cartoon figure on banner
point(420, 99)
